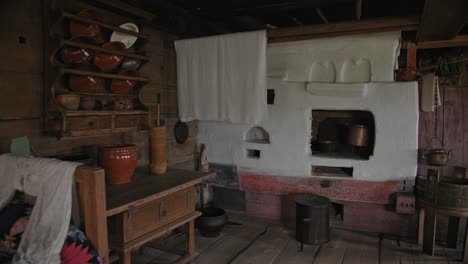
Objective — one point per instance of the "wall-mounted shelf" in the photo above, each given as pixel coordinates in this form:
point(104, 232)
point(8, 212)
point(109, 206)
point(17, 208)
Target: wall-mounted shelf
point(103, 112)
point(76, 44)
point(103, 25)
point(104, 75)
point(97, 94)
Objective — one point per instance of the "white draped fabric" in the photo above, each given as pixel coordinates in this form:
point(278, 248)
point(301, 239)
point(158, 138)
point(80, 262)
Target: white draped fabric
point(223, 78)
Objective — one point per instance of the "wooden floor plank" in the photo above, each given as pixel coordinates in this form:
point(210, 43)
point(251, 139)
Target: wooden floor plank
point(333, 251)
point(235, 241)
point(292, 254)
point(360, 247)
point(266, 248)
point(389, 252)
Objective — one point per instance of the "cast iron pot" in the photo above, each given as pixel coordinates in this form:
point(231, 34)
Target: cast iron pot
point(211, 222)
point(437, 157)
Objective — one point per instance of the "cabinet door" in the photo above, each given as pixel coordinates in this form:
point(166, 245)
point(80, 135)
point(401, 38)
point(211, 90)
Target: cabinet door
point(177, 205)
point(83, 123)
point(142, 220)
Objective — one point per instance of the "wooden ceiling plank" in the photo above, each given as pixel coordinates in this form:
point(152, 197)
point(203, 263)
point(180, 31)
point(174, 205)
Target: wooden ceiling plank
point(346, 28)
point(442, 19)
point(128, 9)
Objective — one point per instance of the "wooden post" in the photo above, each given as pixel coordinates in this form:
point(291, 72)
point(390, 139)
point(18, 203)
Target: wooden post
point(91, 189)
point(190, 239)
point(452, 234)
point(465, 246)
point(430, 221)
point(421, 226)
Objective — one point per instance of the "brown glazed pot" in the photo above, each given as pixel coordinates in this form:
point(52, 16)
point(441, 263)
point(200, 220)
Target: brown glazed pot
point(83, 29)
point(119, 162)
point(73, 55)
point(119, 86)
point(107, 61)
point(87, 103)
point(78, 83)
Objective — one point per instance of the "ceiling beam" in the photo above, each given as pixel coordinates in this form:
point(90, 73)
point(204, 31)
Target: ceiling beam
point(442, 19)
point(342, 28)
point(253, 8)
point(458, 41)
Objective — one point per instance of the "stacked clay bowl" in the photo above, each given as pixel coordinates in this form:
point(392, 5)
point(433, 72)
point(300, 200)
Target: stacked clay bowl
point(84, 29)
point(106, 61)
point(121, 86)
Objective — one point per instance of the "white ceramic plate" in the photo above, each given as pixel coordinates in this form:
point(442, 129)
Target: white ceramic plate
point(126, 39)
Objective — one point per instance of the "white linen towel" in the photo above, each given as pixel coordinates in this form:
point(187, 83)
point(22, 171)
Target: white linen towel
point(50, 181)
point(223, 78)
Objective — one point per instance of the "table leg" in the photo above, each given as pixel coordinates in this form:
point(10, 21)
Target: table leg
point(421, 226)
point(190, 239)
point(430, 220)
point(126, 257)
point(465, 246)
point(452, 234)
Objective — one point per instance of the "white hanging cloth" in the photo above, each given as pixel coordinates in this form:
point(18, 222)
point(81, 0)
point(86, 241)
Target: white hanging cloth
point(223, 78)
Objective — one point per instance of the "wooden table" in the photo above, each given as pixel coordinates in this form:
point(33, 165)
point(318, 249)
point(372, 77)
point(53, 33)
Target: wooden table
point(150, 206)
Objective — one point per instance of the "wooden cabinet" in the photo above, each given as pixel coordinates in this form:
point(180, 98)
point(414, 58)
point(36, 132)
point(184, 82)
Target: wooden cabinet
point(139, 221)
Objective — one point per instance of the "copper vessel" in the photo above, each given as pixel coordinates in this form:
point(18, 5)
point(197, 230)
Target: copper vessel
point(358, 135)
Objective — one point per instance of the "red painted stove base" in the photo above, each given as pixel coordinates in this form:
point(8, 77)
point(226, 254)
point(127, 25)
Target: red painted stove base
point(365, 202)
point(338, 189)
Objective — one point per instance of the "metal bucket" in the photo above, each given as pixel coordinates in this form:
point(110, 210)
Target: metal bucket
point(312, 219)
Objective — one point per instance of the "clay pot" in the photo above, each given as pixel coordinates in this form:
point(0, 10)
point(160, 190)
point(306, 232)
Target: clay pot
point(82, 84)
point(211, 222)
point(107, 61)
point(123, 104)
point(119, 86)
point(68, 101)
point(87, 103)
point(119, 162)
point(85, 29)
point(72, 55)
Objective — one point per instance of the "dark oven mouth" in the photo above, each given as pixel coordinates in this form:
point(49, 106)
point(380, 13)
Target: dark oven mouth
point(347, 134)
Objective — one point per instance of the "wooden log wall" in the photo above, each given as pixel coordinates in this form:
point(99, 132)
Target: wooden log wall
point(22, 91)
point(452, 127)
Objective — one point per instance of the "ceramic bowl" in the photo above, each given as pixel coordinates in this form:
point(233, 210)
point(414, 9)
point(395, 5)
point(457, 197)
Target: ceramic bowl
point(131, 64)
point(82, 84)
point(84, 29)
point(107, 61)
point(87, 103)
point(123, 104)
point(126, 39)
point(68, 101)
point(119, 86)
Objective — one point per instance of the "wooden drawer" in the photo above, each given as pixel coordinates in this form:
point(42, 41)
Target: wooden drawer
point(139, 121)
point(136, 222)
point(81, 123)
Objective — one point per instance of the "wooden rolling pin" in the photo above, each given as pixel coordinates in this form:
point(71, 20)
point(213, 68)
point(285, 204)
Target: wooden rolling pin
point(158, 144)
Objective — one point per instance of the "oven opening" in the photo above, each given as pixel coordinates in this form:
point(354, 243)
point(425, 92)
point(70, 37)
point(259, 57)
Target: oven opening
point(346, 134)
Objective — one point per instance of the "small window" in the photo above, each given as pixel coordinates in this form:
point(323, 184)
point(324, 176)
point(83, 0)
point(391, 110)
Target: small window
point(270, 96)
point(329, 171)
point(253, 153)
